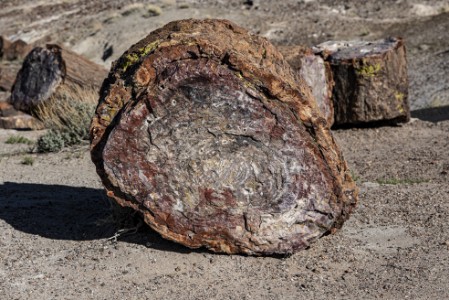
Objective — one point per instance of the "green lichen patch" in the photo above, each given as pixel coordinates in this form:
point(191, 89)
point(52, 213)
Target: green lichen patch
point(131, 58)
point(368, 70)
point(400, 101)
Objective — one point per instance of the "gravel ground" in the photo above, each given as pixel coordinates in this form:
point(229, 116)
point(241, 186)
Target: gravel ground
point(57, 227)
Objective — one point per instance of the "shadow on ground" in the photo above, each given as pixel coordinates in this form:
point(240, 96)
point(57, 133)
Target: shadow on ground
point(432, 114)
point(69, 213)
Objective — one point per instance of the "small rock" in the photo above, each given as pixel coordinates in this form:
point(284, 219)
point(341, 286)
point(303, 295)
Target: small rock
point(424, 47)
point(369, 184)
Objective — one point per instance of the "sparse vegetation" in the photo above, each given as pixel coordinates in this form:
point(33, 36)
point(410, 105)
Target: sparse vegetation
point(52, 141)
point(28, 160)
point(364, 32)
point(354, 176)
point(18, 139)
point(152, 11)
point(67, 117)
point(132, 9)
point(395, 181)
point(111, 18)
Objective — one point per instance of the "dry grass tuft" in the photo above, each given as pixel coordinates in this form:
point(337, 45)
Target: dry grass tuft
point(132, 9)
point(67, 114)
point(18, 139)
point(28, 161)
point(71, 106)
point(152, 11)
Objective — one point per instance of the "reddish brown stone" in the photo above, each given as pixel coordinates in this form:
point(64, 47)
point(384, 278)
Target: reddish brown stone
point(316, 73)
point(203, 129)
point(8, 73)
point(10, 118)
point(4, 45)
point(371, 83)
point(17, 50)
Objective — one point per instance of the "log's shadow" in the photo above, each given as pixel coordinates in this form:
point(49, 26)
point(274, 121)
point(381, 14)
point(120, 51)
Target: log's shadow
point(56, 211)
point(69, 213)
point(432, 114)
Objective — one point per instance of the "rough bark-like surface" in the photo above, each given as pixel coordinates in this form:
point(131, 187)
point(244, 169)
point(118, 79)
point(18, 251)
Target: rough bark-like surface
point(46, 69)
point(371, 83)
point(316, 73)
point(8, 73)
point(16, 50)
point(203, 129)
point(11, 118)
point(4, 45)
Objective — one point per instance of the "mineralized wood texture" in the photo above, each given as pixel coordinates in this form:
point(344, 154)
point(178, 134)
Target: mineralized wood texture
point(371, 83)
point(316, 73)
point(8, 73)
point(203, 129)
point(18, 49)
point(10, 118)
point(46, 69)
point(4, 46)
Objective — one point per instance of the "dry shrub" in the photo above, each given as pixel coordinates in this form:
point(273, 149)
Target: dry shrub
point(152, 11)
point(67, 113)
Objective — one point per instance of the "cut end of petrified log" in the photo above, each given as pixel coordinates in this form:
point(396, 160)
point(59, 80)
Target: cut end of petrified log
point(46, 71)
point(202, 128)
point(344, 50)
point(42, 71)
point(371, 83)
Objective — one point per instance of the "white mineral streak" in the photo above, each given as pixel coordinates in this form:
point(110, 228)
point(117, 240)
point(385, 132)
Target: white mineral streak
point(220, 141)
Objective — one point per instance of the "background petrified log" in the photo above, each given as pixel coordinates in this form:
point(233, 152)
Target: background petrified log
point(203, 129)
point(10, 64)
point(17, 50)
point(4, 45)
point(371, 83)
point(316, 73)
point(10, 118)
point(48, 71)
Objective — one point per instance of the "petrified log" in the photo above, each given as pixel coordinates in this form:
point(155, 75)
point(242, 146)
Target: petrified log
point(371, 84)
point(8, 73)
point(202, 128)
point(316, 73)
point(18, 49)
point(11, 118)
point(4, 45)
point(52, 70)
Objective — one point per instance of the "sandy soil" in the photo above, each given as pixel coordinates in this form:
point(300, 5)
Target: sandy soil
point(57, 228)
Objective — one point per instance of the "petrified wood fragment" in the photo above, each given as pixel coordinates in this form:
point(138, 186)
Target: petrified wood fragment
point(46, 71)
point(11, 118)
point(18, 49)
point(202, 128)
point(316, 73)
point(371, 84)
point(4, 45)
point(8, 73)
